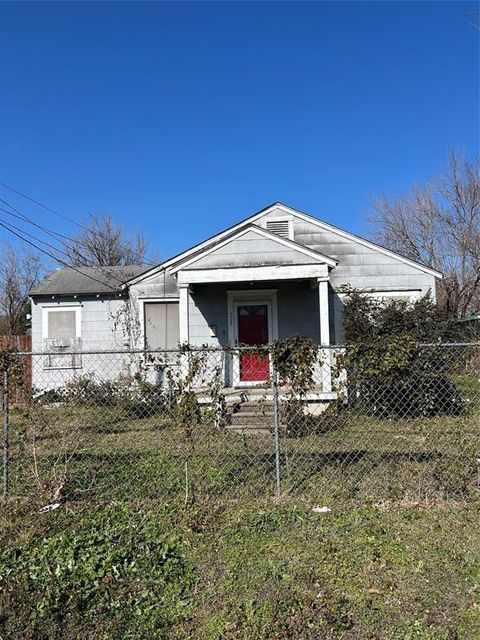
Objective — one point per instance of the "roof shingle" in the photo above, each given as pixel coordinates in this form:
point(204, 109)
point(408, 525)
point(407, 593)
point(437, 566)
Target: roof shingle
point(87, 280)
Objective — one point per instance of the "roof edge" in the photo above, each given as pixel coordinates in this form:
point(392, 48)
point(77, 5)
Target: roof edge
point(292, 210)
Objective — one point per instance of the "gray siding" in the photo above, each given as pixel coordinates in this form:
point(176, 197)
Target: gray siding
point(359, 266)
point(298, 311)
point(252, 250)
point(159, 285)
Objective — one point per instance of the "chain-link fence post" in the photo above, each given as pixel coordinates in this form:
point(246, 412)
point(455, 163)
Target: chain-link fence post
point(6, 435)
point(276, 430)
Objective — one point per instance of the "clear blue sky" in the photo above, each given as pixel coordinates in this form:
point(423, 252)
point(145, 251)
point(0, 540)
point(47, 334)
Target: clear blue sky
point(180, 119)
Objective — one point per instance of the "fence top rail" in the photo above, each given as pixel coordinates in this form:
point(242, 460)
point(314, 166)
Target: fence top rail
point(213, 349)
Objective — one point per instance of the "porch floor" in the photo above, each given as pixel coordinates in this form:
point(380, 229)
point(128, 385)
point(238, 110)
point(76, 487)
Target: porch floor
point(234, 395)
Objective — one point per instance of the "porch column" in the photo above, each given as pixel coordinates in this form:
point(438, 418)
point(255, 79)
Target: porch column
point(324, 310)
point(325, 354)
point(183, 312)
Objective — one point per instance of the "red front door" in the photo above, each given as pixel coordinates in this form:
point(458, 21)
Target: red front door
point(253, 331)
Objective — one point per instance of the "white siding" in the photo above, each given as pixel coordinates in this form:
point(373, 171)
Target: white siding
point(98, 333)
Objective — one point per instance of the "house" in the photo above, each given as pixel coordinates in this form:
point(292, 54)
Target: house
point(278, 273)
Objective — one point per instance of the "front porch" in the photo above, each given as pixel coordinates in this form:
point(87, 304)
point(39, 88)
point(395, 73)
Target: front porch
point(241, 315)
point(250, 289)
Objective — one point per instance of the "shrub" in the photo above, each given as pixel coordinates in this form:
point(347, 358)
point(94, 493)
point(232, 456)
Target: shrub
point(294, 360)
point(297, 421)
point(144, 399)
point(389, 372)
point(116, 573)
point(137, 397)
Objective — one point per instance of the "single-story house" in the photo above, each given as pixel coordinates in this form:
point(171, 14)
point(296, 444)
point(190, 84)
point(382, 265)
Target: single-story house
point(278, 273)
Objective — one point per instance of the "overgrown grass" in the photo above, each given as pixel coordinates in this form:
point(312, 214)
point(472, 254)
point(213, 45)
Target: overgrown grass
point(253, 571)
point(397, 558)
point(103, 452)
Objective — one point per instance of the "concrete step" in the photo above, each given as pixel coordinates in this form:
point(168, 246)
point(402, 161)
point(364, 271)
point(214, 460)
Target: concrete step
point(249, 429)
point(251, 418)
point(255, 406)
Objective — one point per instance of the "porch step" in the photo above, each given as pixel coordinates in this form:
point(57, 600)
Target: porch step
point(250, 417)
point(249, 430)
point(254, 407)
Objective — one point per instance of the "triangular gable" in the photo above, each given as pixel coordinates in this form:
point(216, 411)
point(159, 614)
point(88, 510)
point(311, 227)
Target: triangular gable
point(284, 209)
point(252, 246)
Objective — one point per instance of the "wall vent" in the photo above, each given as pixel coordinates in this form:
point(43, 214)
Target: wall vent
point(283, 228)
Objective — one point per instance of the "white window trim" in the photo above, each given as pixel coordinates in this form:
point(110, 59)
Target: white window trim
point(46, 309)
point(144, 301)
point(289, 219)
point(383, 294)
point(239, 297)
point(55, 308)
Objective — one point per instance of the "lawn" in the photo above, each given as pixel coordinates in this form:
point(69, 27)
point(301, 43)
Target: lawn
point(95, 451)
point(172, 530)
point(251, 570)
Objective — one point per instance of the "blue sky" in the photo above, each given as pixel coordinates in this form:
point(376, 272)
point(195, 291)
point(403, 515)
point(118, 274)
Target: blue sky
point(180, 119)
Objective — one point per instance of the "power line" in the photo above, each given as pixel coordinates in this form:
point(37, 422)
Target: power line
point(24, 218)
point(44, 206)
point(18, 235)
point(21, 216)
point(57, 213)
point(32, 236)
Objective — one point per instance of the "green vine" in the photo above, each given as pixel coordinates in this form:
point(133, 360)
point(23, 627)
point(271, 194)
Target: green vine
point(294, 360)
point(14, 365)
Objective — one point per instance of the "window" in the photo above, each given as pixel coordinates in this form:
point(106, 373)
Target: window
point(162, 325)
point(283, 228)
point(61, 337)
point(61, 325)
point(406, 296)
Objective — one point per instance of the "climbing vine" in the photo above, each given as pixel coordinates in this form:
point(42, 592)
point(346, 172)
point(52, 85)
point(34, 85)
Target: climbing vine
point(294, 360)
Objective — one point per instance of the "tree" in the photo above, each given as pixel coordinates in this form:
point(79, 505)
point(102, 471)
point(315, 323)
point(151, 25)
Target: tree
point(103, 243)
point(439, 224)
point(20, 271)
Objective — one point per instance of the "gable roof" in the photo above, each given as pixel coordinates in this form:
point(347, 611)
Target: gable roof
point(299, 214)
point(254, 229)
point(87, 280)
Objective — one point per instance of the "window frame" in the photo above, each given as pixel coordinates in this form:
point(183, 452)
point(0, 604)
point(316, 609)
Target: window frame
point(57, 308)
point(143, 302)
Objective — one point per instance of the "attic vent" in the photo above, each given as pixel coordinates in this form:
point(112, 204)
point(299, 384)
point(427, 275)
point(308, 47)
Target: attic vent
point(282, 228)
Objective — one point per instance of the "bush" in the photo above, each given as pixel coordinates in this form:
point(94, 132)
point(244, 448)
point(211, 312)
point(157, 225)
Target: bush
point(144, 400)
point(138, 398)
point(297, 421)
point(389, 372)
point(116, 574)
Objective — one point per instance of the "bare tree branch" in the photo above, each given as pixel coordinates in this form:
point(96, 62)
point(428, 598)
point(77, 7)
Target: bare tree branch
point(20, 271)
point(106, 243)
point(439, 224)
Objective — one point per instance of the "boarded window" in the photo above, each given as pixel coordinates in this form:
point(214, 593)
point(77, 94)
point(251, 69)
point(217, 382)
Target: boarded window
point(61, 340)
point(162, 327)
point(61, 324)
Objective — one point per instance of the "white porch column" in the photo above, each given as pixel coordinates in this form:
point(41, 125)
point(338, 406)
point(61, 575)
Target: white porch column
point(324, 310)
point(325, 354)
point(183, 312)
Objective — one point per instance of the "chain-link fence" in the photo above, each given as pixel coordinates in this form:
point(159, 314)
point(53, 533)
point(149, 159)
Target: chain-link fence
point(329, 423)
